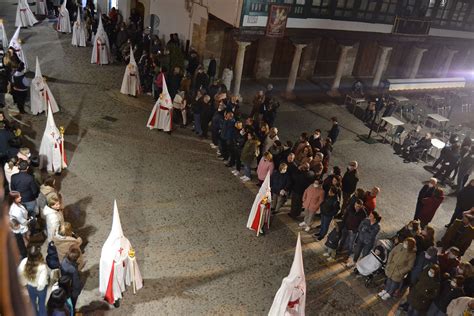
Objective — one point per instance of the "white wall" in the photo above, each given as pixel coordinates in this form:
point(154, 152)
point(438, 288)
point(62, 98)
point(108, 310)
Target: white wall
point(226, 10)
point(174, 18)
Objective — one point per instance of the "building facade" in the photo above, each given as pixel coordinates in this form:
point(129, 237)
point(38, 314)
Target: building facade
point(333, 39)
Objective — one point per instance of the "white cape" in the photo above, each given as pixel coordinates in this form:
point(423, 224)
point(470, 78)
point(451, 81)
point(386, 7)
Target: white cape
point(51, 152)
point(290, 300)
point(24, 16)
point(78, 31)
point(3, 36)
point(101, 48)
point(161, 115)
point(41, 8)
point(64, 24)
point(131, 78)
point(40, 94)
point(117, 268)
point(15, 43)
point(264, 191)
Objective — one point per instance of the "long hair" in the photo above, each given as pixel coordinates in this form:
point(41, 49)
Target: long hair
point(35, 258)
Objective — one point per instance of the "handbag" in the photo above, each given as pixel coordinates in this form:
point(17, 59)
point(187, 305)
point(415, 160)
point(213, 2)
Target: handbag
point(52, 258)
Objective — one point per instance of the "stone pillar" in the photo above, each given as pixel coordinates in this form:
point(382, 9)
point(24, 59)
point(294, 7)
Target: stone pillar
point(381, 65)
point(340, 68)
point(295, 65)
point(264, 58)
point(417, 57)
point(239, 64)
point(447, 63)
point(309, 58)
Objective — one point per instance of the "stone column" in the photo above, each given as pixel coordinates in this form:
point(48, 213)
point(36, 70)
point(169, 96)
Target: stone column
point(447, 63)
point(295, 64)
point(340, 68)
point(418, 56)
point(381, 65)
point(239, 64)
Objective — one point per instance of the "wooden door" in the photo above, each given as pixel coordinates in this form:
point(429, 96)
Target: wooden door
point(328, 56)
point(282, 58)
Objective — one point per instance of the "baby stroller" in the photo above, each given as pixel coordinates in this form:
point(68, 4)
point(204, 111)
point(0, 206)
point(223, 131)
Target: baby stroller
point(372, 266)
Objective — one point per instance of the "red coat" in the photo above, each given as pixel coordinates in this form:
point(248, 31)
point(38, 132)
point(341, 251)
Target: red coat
point(428, 209)
point(370, 202)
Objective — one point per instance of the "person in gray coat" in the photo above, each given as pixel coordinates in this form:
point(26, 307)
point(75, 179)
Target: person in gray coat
point(368, 230)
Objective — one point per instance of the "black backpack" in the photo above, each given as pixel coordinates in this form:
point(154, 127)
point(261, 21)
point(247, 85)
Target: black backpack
point(52, 258)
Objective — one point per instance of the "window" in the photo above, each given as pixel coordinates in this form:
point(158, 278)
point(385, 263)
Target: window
point(320, 8)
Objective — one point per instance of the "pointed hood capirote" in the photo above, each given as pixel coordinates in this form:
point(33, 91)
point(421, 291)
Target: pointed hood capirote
point(264, 192)
point(291, 296)
point(117, 266)
point(40, 94)
point(38, 69)
point(3, 35)
point(51, 151)
point(161, 115)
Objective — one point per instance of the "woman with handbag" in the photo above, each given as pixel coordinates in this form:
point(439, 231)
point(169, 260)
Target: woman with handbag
point(19, 221)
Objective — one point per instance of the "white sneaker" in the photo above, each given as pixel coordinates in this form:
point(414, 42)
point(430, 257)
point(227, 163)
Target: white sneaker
point(218, 153)
point(307, 229)
point(382, 293)
point(302, 224)
point(212, 145)
point(331, 259)
point(386, 296)
point(326, 254)
point(245, 179)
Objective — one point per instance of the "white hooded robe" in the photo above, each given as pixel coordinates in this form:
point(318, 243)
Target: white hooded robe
point(3, 36)
point(290, 300)
point(131, 78)
point(161, 116)
point(24, 16)
point(15, 43)
point(256, 210)
point(51, 152)
point(101, 48)
point(116, 268)
point(64, 24)
point(78, 31)
point(40, 94)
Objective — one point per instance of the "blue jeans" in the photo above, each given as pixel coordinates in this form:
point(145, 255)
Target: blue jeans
point(347, 240)
point(391, 286)
point(247, 170)
point(412, 311)
point(32, 212)
point(434, 311)
point(325, 222)
point(197, 124)
point(361, 248)
point(38, 299)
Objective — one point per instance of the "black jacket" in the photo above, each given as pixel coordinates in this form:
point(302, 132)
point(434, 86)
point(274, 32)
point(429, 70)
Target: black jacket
point(300, 180)
point(334, 133)
point(465, 199)
point(279, 181)
point(330, 206)
point(349, 181)
point(70, 268)
point(26, 185)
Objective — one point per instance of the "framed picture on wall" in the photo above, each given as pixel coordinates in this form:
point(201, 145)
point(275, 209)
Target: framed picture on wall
point(277, 18)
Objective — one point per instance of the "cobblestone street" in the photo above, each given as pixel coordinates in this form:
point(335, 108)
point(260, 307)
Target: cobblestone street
point(183, 210)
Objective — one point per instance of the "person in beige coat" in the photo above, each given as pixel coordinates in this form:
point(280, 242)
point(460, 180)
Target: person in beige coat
point(313, 196)
point(400, 261)
point(461, 306)
point(65, 240)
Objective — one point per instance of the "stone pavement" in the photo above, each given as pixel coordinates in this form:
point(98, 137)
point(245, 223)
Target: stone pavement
point(182, 209)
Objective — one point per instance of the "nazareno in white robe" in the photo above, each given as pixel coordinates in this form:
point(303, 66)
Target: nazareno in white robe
point(40, 94)
point(116, 268)
point(24, 16)
point(3, 36)
point(78, 32)
point(101, 48)
point(51, 154)
point(131, 78)
point(161, 116)
point(15, 43)
point(64, 24)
